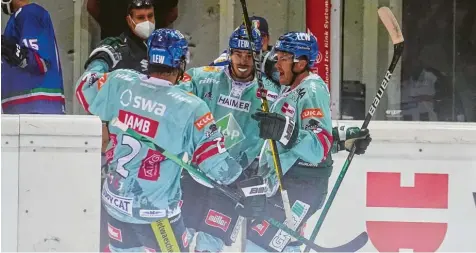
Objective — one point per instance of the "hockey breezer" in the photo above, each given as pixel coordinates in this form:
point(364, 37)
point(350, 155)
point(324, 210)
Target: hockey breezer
point(226, 190)
point(272, 143)
point(393, 28)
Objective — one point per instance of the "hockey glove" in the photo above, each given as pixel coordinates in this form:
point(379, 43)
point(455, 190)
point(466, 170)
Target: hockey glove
point(14, 53)
point(276, 127)
point(108, 50)
point(347, 136)
point(254, 199)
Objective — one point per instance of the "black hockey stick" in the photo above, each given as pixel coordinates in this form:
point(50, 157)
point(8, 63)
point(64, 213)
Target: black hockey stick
point(265, 108)
point(390, 22)
point(233, 195)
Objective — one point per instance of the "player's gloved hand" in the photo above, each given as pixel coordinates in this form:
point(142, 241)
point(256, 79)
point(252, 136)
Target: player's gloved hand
point(254, 197)
point(276, 127)
point(109, 50)
point(347, 136)
point(14, 53)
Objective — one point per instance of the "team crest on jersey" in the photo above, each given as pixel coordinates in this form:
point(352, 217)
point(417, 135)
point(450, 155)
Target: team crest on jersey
point(210, 69)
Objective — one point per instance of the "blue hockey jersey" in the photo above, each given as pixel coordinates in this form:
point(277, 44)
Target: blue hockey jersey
point(143, 185)
point(37, 88)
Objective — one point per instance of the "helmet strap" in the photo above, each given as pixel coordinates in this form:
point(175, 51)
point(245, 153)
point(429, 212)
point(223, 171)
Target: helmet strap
point(181, 71)
point(295, 74)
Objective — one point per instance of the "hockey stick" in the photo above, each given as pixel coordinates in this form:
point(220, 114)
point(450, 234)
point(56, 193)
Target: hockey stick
point(265, 107)
point(236, 197)
point(390, 22)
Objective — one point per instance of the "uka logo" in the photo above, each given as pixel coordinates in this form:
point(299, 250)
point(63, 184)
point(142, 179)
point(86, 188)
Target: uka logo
point(430, 192)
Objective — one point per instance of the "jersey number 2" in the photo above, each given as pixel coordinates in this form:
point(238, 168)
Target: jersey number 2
point(121, 162)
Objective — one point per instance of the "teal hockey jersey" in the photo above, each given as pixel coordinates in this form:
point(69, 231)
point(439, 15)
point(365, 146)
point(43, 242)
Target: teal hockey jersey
point(308, 104)
point(232, 103)
point(142, 185)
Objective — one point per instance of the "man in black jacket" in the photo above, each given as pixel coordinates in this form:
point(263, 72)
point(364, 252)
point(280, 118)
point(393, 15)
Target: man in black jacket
point(132, 42)
point(110, 14)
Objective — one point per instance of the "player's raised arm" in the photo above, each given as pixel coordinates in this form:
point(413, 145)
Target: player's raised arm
point(97, 76)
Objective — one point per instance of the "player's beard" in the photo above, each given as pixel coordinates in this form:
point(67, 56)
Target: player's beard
point(242, 72)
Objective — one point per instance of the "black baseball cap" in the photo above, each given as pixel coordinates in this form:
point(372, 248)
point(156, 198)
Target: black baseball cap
point(261, 24)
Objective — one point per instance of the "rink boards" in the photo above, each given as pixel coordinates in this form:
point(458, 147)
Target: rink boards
point(413, 189)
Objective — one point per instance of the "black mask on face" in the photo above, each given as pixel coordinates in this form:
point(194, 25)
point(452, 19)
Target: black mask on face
point(7, 7)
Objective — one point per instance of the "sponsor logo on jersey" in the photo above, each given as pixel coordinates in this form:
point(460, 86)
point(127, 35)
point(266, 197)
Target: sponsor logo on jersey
point(143, 125)
point(125, 77)
point(180, 97)
point(270, 96)
point(121, 204)
point(231, 130)
point(312, 113)
point(186, 77)
point(150, 166)
point(255, 190)
point(102, 81)
point(114, 233)
point(148, 105)
point(152, 213)
point(261, 228)
point(236, 228)
point(144, 64)
point(288, 110)
point(203, 121)
point(234, 103)
point(211, 69)
point(218, 220)
point(208, 80)
point(126, 98)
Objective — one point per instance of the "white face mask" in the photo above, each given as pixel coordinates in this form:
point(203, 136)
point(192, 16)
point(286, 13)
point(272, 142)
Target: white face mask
point(144, 29)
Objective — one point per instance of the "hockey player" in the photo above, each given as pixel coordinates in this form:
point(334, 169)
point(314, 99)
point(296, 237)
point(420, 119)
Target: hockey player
point(32, 80)
point(300, 123)
point(232, 94)
point(142, 188)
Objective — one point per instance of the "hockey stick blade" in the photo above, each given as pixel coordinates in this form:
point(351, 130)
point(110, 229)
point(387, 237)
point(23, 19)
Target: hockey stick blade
point(391, 24)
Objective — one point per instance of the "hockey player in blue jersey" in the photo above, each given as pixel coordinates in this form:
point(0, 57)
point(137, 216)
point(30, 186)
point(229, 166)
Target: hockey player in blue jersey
point(300, 123)
point(142, 188)
point(32, 80)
